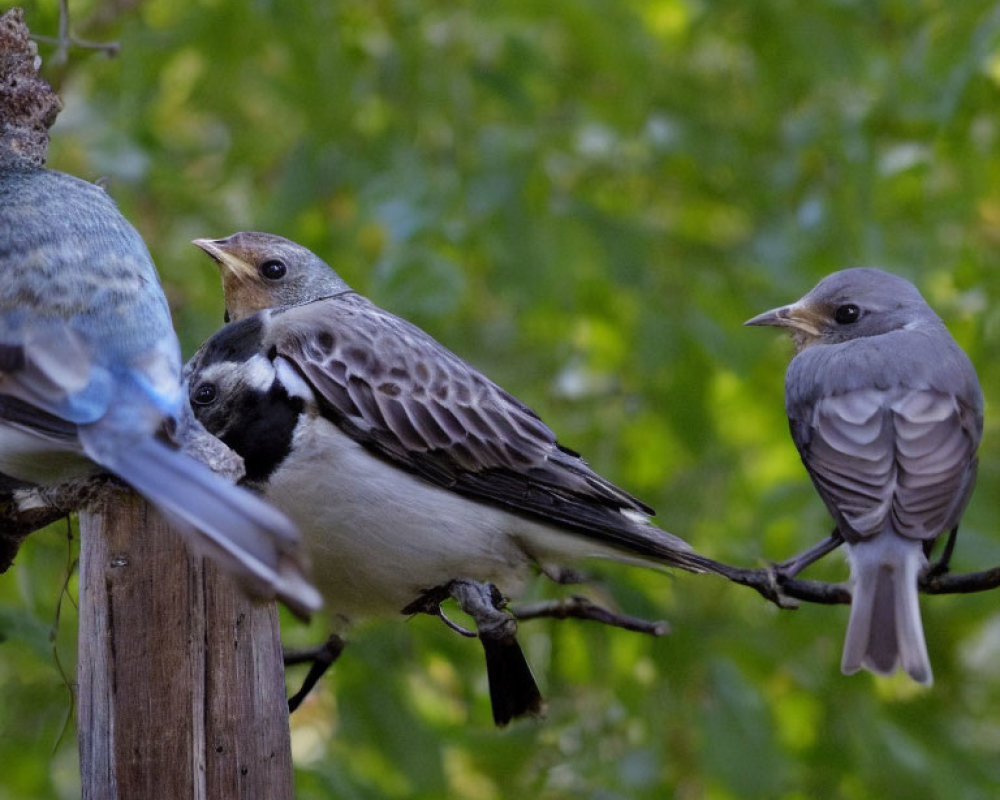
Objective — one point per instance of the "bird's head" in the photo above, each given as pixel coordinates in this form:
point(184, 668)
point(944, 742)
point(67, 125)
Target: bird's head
point(261, 270)
point(851, 304)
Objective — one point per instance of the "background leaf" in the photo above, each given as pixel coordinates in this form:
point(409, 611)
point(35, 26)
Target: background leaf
point(585, 200)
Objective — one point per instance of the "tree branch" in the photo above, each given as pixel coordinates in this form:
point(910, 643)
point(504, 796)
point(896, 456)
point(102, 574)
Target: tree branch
point(579, 607)
point(965, 583)
point(65, 40)
point(774, 584)
point(24, 510)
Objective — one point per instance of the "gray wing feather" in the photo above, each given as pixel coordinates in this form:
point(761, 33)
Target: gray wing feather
point(936, 444)
point(908, 454)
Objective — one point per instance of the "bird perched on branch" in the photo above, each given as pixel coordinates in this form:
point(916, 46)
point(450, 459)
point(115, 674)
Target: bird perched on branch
point(407, 469)
point(886, 411)
point(90, 377)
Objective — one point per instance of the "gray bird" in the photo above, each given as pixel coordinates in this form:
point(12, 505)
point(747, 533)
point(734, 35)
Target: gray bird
point(405, 467)
point(90, 377)
point(886, 411)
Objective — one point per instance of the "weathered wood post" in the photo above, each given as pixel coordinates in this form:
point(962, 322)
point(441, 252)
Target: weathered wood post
point(181, 690)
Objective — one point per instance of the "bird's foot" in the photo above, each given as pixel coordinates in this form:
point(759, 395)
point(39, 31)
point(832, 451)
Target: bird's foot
point(791, 567)
point(321, 659)
point(941, 567)
point(768, 581)
point(513, 691)
point(777, 582)
point(487, 607)
point(430, 603)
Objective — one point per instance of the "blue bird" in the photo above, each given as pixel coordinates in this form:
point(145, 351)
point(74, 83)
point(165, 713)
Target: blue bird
point(90, 377)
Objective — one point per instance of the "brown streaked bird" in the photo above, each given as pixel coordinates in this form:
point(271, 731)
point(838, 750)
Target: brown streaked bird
point(886, 411)
point(406, 468)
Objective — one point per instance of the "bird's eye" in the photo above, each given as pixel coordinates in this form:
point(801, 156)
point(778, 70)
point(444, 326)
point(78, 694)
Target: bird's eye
point(847, 313)
point(204, 394)
point(273, 269)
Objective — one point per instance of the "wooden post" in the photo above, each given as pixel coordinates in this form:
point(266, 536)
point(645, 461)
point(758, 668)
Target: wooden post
point(181, 689)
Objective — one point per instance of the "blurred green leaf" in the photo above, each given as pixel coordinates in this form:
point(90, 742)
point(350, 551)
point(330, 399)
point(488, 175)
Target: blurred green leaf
point(585, 200)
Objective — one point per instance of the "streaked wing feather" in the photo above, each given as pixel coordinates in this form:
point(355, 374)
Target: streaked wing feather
point(399, 392)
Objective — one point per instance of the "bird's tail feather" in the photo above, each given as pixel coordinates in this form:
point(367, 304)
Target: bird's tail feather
point(885, 630)
point(513, 691)
point(248, 537)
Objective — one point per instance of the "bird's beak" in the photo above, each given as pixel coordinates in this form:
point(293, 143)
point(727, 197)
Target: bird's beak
point(796, 316)
point(216, 248)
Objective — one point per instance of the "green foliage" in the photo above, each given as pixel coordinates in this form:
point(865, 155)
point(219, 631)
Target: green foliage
point(585, 199)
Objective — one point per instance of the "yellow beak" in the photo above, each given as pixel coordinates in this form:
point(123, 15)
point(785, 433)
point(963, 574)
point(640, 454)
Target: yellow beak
point(220, 255)
point(795, 316)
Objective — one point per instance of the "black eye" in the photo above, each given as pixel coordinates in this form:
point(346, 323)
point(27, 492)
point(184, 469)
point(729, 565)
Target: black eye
point(273, 269)
point(204, 394)
point(847, 314)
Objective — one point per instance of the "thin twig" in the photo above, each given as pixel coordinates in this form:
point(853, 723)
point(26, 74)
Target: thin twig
point(111, 48)
point(772, 583)
point(65, 39)
point(320, 660)
point(579, 607)
point(71, 566)
point(965, 583)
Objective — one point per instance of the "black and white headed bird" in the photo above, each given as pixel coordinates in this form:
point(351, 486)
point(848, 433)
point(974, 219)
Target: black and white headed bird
point(405, 467)
point(886, 411)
